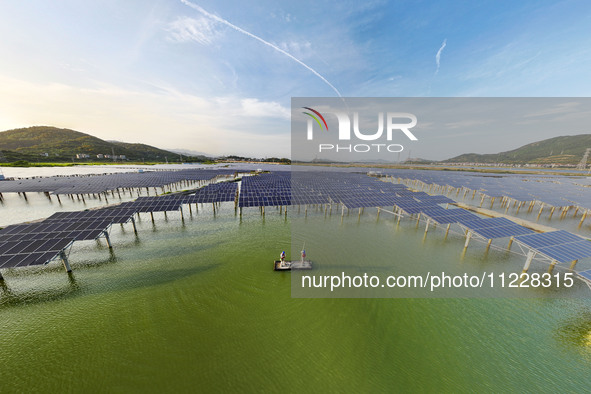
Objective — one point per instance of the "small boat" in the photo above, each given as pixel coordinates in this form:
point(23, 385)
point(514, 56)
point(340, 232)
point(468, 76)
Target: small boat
point(279, 265)
point(303, 264)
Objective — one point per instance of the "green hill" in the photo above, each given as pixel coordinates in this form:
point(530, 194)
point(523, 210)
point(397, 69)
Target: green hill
point(563, 150)
point(44, 143)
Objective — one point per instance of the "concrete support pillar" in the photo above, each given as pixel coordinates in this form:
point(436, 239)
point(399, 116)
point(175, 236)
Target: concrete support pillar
point(510, 243)
point(530, 257)
point(106, 234)
point(133, 224)
point(541, 209)
point(447, 230)
point(468, 237)
point(583, 218)
point(65, 261)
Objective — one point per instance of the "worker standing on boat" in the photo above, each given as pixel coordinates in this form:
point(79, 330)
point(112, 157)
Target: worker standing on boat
point(282, 256)
point(303, 254)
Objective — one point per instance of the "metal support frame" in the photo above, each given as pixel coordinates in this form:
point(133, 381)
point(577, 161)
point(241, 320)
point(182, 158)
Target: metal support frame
point(133, 224)
point(108, 239)
point(530, 256)
point(468, 237)
point(65, 261)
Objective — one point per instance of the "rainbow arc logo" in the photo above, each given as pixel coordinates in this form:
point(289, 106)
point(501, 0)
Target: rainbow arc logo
point(315, 116)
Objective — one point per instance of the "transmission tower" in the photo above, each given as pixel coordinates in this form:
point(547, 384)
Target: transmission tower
point(583, 164)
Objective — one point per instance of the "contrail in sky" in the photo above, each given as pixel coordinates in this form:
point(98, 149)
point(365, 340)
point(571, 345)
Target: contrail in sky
point(438, 56)
point(238, 29)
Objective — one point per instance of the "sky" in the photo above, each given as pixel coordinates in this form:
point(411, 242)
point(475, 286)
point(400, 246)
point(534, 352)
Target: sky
point(218, 76)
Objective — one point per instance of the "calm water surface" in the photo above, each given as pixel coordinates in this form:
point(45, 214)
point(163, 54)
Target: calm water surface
point(197, 307)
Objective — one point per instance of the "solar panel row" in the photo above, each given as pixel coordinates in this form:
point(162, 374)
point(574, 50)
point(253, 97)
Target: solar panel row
point(491, 228)
point(23, 253)
point(553, 190)
point(560, 245)
point(105, 182)
point(39, 243)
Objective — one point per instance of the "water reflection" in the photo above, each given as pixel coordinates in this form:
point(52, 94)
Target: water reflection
point(10, 297)
point(576, 331)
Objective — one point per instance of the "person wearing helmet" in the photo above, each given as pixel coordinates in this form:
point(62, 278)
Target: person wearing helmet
point(282, 256)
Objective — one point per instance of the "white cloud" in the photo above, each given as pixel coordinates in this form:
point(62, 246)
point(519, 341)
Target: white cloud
point(256, 108)
point(202, 30)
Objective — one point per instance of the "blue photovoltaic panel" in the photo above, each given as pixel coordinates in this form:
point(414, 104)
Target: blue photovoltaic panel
point(568, 252)
point(502, 232)
point(455, 218)
point(445, 216)
point(489, 222)
point(542, 240)
point(439, 211)
point(19, 254)
point(436, 199)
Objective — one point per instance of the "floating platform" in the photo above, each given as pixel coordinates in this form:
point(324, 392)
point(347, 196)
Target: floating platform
point(278, 265)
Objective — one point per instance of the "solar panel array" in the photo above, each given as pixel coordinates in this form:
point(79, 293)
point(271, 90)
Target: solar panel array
point(353, 190)
point(114, 215)
point(77, 230)
point(555, 190)
point(102, 183)
point(39, 243)
point(265, 190)
point(215, 192)
point(540, 240)
point(560, 245)
point(154, 204)
point(491, 228)
point(24, 253)
point(445, 216)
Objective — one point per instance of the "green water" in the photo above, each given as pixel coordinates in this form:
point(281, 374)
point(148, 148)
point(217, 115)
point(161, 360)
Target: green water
point(196, 307)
